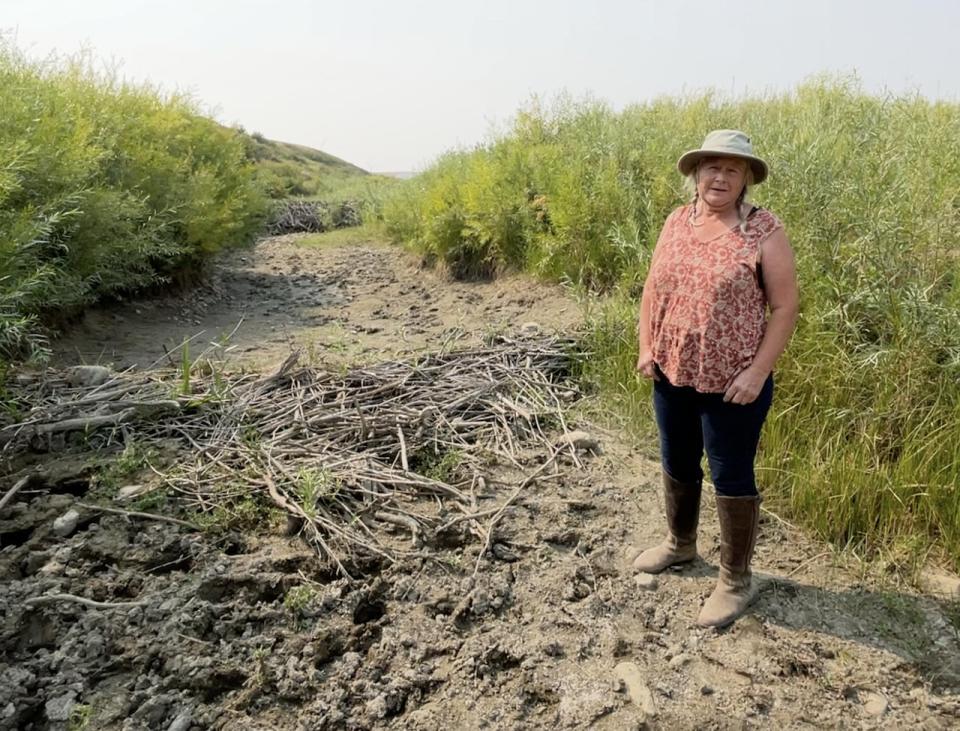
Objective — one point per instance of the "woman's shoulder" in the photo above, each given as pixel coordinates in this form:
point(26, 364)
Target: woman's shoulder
point(678, 214)
point(762, 222)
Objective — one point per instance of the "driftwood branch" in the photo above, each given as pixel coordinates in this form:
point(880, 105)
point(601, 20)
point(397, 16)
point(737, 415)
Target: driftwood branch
point(138, 514)
point(54, 598)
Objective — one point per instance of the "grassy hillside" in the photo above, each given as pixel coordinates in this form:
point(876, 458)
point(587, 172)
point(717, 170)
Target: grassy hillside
point(288, 170)
point(863, 444)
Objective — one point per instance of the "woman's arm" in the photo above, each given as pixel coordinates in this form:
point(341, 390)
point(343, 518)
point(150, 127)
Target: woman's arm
point(645, 365)
point(783, 297)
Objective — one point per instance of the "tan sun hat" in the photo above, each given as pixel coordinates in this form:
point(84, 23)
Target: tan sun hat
point(724, 143)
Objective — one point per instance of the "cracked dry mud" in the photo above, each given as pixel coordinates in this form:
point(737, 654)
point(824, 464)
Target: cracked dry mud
point(252, 632)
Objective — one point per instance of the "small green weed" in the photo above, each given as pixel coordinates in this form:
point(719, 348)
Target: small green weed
point(134, 458)
point(298, 598)
point(313, 485)
point(80, 716)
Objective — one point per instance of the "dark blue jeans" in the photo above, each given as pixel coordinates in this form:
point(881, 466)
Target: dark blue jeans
point(689, 421)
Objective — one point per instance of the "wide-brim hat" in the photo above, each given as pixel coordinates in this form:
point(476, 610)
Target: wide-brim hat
point(725, 143)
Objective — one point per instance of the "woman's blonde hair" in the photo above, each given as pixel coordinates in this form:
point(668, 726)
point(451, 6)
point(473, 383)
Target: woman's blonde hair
point(690, 184)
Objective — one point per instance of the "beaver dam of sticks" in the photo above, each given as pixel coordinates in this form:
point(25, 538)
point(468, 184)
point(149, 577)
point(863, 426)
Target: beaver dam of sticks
point(369, 465)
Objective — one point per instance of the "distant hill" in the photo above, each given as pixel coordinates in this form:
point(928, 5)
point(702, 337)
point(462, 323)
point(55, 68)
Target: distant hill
point(297, 170)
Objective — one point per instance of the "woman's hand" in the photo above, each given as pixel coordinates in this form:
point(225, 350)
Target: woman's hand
point(746, 386)
point(646, 366)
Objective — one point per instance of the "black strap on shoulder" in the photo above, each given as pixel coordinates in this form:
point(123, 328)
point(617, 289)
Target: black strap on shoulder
point(753, 210)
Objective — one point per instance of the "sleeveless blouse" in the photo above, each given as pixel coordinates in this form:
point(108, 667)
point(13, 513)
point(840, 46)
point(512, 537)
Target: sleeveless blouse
point(708, 310)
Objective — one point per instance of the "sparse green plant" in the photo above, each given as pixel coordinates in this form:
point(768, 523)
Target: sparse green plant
point(442, 467)
point(80, 716)
point(298, 598)
point(260, 674)
point(313, 485)
point(134, 458)
point(185, 368)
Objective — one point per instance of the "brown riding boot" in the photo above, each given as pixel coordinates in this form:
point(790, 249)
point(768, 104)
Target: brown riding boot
point(735, 590)
point(683, 513)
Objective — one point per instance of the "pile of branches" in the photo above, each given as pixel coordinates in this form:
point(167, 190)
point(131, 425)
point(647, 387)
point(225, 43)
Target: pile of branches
point(305, 216)
point(352, 457)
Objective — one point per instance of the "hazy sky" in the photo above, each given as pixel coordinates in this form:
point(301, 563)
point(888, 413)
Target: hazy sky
point(390, 85)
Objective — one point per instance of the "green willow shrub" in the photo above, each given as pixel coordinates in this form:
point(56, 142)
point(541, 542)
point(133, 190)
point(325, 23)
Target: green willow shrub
point(864, 441)
point(106, 188)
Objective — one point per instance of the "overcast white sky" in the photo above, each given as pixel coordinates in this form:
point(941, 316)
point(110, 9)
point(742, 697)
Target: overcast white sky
point(389, 85)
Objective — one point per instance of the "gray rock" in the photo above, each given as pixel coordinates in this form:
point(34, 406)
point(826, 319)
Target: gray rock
point(182, 722)
point(647, 582)
point(579, 440)
point(59, 708)
point(130, 491)
point(88, 375)
point(875, 704)
point(66, 523)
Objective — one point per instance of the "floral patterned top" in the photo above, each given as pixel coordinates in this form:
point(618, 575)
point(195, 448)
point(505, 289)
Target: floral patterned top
point(708, 310)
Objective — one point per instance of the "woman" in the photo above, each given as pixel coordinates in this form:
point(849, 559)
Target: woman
point(709, 345)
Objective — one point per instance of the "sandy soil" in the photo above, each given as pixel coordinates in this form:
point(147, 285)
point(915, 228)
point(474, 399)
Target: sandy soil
point(252, 632)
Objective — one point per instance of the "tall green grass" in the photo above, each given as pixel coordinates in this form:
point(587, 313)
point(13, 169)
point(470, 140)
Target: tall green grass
point(106, 188)
point(864, 441)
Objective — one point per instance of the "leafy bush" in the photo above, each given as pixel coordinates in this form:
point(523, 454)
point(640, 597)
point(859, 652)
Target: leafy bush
point(106, 188)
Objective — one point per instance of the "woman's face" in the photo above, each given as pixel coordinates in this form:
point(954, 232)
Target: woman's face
point(720, 180)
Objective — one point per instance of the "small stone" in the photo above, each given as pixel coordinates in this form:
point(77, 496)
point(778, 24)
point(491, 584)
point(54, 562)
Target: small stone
point(130, 491)
point(875, 704)
point(941, 584)
point(59, 708)
point(579, 440)
point(8, 711)
point(377, 707)
point(706, 690)
point(66, 523)
point(530, 329)
point(88, 375)
point(637, 689)
point(679, 661)
point(52, 568)
point(647, 582)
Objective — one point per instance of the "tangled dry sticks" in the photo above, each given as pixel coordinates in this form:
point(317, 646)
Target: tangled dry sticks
point(353, 458)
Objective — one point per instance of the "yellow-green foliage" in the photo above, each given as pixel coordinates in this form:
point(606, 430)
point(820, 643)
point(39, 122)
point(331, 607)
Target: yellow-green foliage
point(106, 188)
point(864, 440)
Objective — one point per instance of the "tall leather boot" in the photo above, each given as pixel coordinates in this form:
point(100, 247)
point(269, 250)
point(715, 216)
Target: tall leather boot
point(735, 590)
point(682, 501)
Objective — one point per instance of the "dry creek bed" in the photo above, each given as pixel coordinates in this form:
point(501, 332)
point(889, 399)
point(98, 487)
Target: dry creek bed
point(543, 627)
